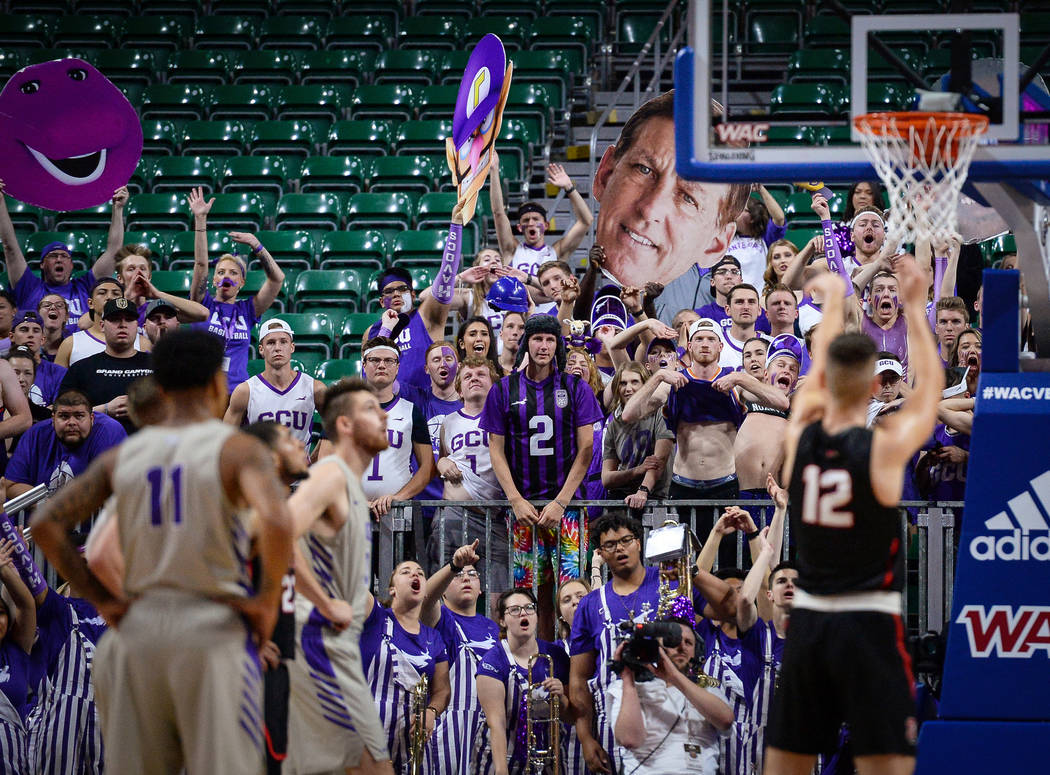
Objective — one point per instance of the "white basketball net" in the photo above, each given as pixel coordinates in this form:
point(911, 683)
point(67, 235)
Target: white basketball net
point(923, 167)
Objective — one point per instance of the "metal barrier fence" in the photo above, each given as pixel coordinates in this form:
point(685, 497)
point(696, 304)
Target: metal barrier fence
point(931, 523)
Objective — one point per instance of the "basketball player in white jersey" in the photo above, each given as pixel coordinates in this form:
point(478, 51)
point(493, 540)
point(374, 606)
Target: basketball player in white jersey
point(532, 224)
point(334, 723)
point(177, 679)
point(279, 393)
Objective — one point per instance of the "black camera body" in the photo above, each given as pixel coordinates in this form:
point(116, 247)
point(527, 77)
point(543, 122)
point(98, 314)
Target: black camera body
point(642, 649)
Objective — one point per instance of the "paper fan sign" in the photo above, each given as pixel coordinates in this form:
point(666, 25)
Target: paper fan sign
point(477, 120)
point(69, 138)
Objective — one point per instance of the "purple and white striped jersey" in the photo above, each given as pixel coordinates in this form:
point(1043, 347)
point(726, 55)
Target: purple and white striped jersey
point(538, 422)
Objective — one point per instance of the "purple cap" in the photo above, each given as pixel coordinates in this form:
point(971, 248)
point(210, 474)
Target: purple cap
point(26, 316)
point(54, 246)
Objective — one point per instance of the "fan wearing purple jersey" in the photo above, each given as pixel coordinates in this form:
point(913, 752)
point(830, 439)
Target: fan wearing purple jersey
point(451, 607)
point(540, 425)
point(398, 650)
point(17, 632)
point(632, 594)
point(503, 686)
point(569, 596)
point(56, 262)
point(229, 317)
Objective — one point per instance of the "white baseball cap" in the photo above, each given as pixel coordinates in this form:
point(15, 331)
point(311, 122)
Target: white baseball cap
point(889, 364)
point(705, 324)
point(274, 326)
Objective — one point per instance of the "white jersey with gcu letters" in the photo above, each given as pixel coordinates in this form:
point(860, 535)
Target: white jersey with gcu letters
point(390, 469)
point(529, 259)
point(292, 407)
point(468, 447)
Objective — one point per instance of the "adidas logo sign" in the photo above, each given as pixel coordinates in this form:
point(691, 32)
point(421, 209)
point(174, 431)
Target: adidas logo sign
point(1021, 531)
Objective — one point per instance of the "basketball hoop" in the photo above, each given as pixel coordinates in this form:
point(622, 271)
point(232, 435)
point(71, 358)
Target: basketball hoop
point(922, 159)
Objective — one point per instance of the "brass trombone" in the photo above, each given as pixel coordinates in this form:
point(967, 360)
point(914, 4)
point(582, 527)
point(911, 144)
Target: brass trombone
point(542, 759)
point(418, 741)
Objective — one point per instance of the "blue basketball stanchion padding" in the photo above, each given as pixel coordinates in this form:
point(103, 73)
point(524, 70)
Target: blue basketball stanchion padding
point(995, 702)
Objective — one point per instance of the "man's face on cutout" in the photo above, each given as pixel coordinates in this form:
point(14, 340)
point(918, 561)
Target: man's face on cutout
point(653, 224)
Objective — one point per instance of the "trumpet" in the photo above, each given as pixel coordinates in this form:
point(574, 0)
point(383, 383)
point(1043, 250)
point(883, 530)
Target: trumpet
point(417, 743)
point(542, 712)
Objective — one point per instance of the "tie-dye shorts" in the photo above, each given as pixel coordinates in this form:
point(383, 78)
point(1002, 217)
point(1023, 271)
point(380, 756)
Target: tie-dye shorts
point(561, 547)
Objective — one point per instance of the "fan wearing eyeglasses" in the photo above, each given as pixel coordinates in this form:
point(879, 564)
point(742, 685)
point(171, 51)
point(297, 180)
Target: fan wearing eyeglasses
point(451, 607)
point(725, 275)
point(503, 684)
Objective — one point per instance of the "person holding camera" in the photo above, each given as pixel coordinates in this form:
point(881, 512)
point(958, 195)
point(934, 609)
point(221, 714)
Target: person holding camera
point(665, 720)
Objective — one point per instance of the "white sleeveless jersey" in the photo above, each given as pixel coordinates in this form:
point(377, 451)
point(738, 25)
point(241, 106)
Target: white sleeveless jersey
point(809, 314)
point(468, 448)
point(85, 344)
point(390, 468)
point(177, 528)
point(529, 259)
point(292, 407)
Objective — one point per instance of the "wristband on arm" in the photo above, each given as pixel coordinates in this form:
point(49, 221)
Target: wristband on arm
point(831, 251)
point(445, 281)
point(22, 557)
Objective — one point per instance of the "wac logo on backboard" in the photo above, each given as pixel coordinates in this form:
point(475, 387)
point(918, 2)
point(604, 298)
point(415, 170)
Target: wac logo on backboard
point(1006, 631)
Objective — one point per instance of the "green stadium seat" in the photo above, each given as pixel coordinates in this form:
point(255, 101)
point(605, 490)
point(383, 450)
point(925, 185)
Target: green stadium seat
point(509, 29)
point(384, 210)
point(318, 8)
point(997, 247)
point(827, 32)
point(773, 33)
point(424, 247)
point(800, 235)
point(84, 246)
point(406, 66)
point(183, 173)
point(184, 100)
point(133, 91)
point(359, 31)
point(824, 65)
point(424, 136)
point(330, 372)
point(282, 137)
point(633, 29)
point(312, 100)
point(807, 98)
point(35, 56)
point(592, 11)
point(158, 243)
point(531, 101)
point(198, 67)
point(310, 211)
point(798, 210)
point(25, 30)
point(291, 249)
point(253, 8)
point(258, 173)
point(157, 211)
point(216, 138)
point(392, 101)
point(24, 217)
point(130, 66)
point(832, 135)
point(180, 256)
point(187, 10)
point(367, 137)
point(255, 367)
point(176, 282)
point(313, 333)
point(97, 217)
point(1035, 28)
point(97, 32)
point(142, 178)
point(422, 276)
point(452, 66)
point(402, 173)
point(291, 32)
point(241, 210)
point(271, 67)
point(335, 173)
point(880, 68)
point(365, 247)
point(243, 101)
point(347, 66)
point(161, 136)
point(527, 9)
point(152, 32)
point(460, 10)
point(316, 287)
point(430, 33)
point(225, 33)
point(392, 10)
point(438, 101)
point(11, 61)
point(515, 139)
point(546, 66)
point(791, 135)
point(886, 96)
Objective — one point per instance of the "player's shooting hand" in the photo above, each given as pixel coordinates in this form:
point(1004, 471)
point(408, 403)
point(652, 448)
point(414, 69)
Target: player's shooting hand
point(339, 612)
point(524, 511)
point(467, 554)
point(551, 515)
point(776, 492)
point(269, 655)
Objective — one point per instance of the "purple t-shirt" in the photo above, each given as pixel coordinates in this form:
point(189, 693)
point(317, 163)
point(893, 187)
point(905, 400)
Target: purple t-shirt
point(41, 458)
point(588, 622)
point(234, 323)
point(538, 422)
point(48, 378)
point(424, 649)
point(30, 289)
point(413, 342)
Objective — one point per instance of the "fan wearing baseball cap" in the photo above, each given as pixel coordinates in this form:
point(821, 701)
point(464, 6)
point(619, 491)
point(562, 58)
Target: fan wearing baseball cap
point(280, 393)
point(105, 376)
point(886, 394)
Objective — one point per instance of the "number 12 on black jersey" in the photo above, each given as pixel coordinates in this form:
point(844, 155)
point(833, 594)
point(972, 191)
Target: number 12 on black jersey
point(824, 495)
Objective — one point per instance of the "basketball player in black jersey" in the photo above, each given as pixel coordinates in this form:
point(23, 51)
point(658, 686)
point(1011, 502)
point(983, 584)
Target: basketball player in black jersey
point(845, 658)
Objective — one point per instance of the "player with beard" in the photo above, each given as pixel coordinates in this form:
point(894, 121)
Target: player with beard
point(885, 324)
point(333, 571)
point(868, 233)
point(704, 421)
point(451, 607)
point(845, 490)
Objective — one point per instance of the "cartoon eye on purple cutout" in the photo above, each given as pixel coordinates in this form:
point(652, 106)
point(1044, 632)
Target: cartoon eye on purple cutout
point(68, 137)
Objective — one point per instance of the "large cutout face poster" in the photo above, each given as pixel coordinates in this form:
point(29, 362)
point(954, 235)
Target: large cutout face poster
point(68, 137)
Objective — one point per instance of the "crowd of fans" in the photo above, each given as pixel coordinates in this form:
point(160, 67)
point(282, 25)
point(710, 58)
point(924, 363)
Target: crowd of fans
point(552, 389)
